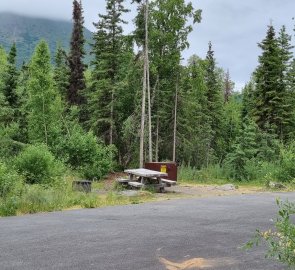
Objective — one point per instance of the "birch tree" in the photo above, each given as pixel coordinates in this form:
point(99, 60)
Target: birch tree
point(44, 103)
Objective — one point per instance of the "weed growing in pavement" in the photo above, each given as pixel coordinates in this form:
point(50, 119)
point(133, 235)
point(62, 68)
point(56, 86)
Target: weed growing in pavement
point(281, 240)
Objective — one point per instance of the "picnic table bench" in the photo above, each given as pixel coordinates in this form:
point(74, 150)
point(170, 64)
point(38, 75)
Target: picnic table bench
point(168, 182)
point(142, 178)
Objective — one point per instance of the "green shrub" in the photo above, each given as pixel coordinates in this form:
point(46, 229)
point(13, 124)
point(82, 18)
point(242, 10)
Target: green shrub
point(10, 181)
point(252, 170)
point(83, 152)
point(286, 170)
point(238, 167)
point(38, 165)
point(10, 144)
point(9, 206)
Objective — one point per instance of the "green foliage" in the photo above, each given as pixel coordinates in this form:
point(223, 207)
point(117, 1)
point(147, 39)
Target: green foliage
point(5, 110)
point(38, 165)
point(244, 152)
point(214, 104)
point(211, 174)
point(170, 26)
point(37, 198)
point(253, 152)
point(232, 120)
point(84, 152)
point(76, 56)
point(113, 53)
point(286, 170)
point(8, 206)
point(10, 181)
point(281, 241)
point(272, 105)
point(61, 72)
point(10, 79)
point(9, 147)
point(44, 103)
point(3, 63)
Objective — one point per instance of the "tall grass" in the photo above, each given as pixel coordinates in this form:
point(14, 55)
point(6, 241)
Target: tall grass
point(257, 172)
point(38, 198)
point(209, 175)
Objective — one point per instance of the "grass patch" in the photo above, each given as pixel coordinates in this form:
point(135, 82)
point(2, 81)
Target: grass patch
point(210, 175)
point(34, 198)
point(216, 175)
point(38, 198)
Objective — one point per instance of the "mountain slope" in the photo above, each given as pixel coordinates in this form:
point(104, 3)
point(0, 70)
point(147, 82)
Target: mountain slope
point(28, 31)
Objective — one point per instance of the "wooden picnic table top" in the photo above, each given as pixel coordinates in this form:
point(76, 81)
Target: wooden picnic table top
point(145, 173)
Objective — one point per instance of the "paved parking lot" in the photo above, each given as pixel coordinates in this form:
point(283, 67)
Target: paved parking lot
point(201, 233)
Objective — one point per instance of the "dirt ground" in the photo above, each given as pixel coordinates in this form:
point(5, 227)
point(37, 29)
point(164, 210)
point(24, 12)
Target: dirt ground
point(187, 190)
point(210, 190)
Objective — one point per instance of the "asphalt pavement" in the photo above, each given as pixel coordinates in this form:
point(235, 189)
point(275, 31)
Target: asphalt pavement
point(201, 233)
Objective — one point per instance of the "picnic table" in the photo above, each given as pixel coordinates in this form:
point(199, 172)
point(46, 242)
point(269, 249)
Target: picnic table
point(140, 178)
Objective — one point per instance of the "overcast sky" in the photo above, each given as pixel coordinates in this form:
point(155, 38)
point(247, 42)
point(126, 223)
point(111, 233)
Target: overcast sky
point(234, 27)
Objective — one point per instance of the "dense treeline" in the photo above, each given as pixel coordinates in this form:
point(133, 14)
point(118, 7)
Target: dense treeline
point(89, 118)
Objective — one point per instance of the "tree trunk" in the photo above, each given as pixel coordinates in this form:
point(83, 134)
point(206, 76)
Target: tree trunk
point(44, 120)
point(112, 118)
point(175, 122)
point(146, 87)
point(141, 146)
point(157, 142)
point(148, 79)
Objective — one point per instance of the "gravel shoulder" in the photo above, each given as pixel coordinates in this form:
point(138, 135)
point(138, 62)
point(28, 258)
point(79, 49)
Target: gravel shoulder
point(203, 191)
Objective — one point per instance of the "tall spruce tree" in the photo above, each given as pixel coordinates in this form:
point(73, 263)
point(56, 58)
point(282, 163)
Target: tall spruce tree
point(244, 150)
point(22, 111)
point(214, 104)
point(10, 78)
point(228, 87)
point(272, 108)
point(286, 54)
point(292, 80)
point(3, 102)
point(194, 131)
point(108, 48)
point(248, 103)
point(5, 110)
point(76, 65)
point(61, 71)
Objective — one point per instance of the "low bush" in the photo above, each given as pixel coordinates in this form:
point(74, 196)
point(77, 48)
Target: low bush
point(9, 206)
point(85, 153)
point(286, 168)
point(10, 181)
point(38, 165)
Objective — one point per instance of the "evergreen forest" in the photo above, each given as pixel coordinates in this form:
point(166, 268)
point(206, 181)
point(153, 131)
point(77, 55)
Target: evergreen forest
point(139, 101)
